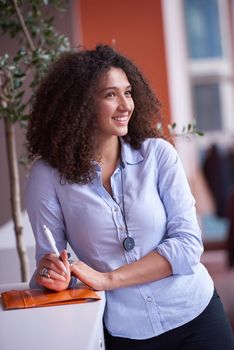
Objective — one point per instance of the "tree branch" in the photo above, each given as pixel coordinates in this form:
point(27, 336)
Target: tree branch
point(24, 27)
point(4, 80)
point(15, 197)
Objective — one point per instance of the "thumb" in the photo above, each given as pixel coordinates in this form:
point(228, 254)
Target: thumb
point(64, 258)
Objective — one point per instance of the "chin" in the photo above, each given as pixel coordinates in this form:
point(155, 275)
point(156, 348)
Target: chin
point(123, 132)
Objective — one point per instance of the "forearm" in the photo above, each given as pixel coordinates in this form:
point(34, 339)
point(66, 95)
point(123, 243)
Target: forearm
point(150, 268)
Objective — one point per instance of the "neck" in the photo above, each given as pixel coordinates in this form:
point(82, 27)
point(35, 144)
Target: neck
point(109, 150)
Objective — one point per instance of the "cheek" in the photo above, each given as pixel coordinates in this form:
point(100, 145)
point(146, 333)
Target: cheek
point(106, 109)
point(103, 115)
point(133, 106)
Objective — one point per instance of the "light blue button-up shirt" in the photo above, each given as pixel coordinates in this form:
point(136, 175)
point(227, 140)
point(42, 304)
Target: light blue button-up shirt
point(160, 216)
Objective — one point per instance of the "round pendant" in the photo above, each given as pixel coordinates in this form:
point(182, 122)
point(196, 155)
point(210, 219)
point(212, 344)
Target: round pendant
point(128, 243)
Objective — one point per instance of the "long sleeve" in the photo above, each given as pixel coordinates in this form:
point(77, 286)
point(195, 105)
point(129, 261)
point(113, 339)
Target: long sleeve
point(44, 209)
point(182, 245)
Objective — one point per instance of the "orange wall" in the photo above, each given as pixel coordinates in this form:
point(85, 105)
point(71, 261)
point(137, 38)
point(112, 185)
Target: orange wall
point(136, 27)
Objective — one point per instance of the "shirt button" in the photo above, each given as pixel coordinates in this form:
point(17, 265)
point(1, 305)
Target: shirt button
point(116, 209)
point(149, 299)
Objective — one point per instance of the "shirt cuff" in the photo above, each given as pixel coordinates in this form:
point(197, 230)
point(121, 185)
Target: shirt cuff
point(179, 264)
point(73, 282)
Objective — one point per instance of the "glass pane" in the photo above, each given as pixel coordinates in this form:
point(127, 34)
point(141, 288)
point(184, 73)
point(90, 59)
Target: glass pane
point(207, 106)
point(203, 28)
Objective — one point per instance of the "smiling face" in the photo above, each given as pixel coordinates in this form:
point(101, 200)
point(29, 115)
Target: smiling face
point(114, 104)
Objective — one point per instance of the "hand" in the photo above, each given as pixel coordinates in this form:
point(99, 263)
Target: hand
point(151, 267)
point(57, 278)
point(92, 278)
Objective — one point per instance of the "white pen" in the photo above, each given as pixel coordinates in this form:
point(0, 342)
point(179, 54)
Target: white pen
point(52, 244)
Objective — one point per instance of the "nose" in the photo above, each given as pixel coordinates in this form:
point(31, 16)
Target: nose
point(125, 103)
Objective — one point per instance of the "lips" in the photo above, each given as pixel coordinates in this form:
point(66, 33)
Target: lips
point(120, 119)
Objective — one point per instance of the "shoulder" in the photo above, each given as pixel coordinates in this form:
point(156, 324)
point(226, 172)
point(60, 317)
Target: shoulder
point(41, 174)
point(158, 144)
point(152, 149)
point(41, 168)
point(161, 149)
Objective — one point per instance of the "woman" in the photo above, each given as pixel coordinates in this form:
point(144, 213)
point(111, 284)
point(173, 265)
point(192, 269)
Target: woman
point(107, 184)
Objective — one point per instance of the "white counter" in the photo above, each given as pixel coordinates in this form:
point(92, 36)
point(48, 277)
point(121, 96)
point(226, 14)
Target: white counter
point(73, 327)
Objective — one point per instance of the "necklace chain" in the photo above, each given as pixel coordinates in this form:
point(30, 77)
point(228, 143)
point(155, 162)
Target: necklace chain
point(128, 242)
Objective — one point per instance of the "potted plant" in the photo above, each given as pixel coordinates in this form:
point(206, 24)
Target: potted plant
point(30, 25)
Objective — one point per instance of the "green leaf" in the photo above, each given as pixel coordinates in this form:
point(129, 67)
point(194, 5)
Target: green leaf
point(200, 133)
point(19, 95)
point(21, 53)
point(39, 18)
point(11, 68)
point(19, 75)
point(17, 83)
point(23, 160)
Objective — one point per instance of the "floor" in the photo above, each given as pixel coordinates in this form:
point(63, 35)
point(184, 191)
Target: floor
point(223, 276)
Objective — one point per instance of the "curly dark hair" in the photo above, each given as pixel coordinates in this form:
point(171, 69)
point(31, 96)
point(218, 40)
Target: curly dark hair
point(63, 118)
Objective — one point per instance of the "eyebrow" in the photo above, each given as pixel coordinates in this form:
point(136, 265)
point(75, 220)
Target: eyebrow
point(114, 88)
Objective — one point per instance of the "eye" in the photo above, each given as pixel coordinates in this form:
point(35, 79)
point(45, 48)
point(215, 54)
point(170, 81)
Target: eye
point(128, 93)
point(110, 94)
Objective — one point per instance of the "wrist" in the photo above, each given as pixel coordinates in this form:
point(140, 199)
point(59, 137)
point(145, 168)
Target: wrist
point(111, 280)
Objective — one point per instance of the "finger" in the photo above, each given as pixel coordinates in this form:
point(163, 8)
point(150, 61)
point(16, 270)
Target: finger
point(56, 276)
point(46, 272)
point(77, 268)
point(53, 262)
point(64, 261)
point(52, 284)
point(51, 266)
point(64, 258)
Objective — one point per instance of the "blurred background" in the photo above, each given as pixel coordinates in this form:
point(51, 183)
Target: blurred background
point(185, 49)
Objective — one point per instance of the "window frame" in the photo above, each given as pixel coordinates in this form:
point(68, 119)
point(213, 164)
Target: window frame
point(218, 70)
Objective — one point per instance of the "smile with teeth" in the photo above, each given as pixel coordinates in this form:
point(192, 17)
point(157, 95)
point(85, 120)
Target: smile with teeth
point(120, 119)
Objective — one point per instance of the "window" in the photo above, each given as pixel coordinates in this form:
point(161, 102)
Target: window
point(199, 45)
point(207, 32)
point(203, 29)
point(206, 106)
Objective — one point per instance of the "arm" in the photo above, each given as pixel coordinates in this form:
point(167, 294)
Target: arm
point(44, 209)
point(150, 268)
point(180, 249)
point(182, 245)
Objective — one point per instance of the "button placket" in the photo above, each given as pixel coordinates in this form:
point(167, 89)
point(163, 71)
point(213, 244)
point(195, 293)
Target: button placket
point(118, 219)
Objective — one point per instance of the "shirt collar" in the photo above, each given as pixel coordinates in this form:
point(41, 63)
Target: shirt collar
point(130, 155)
